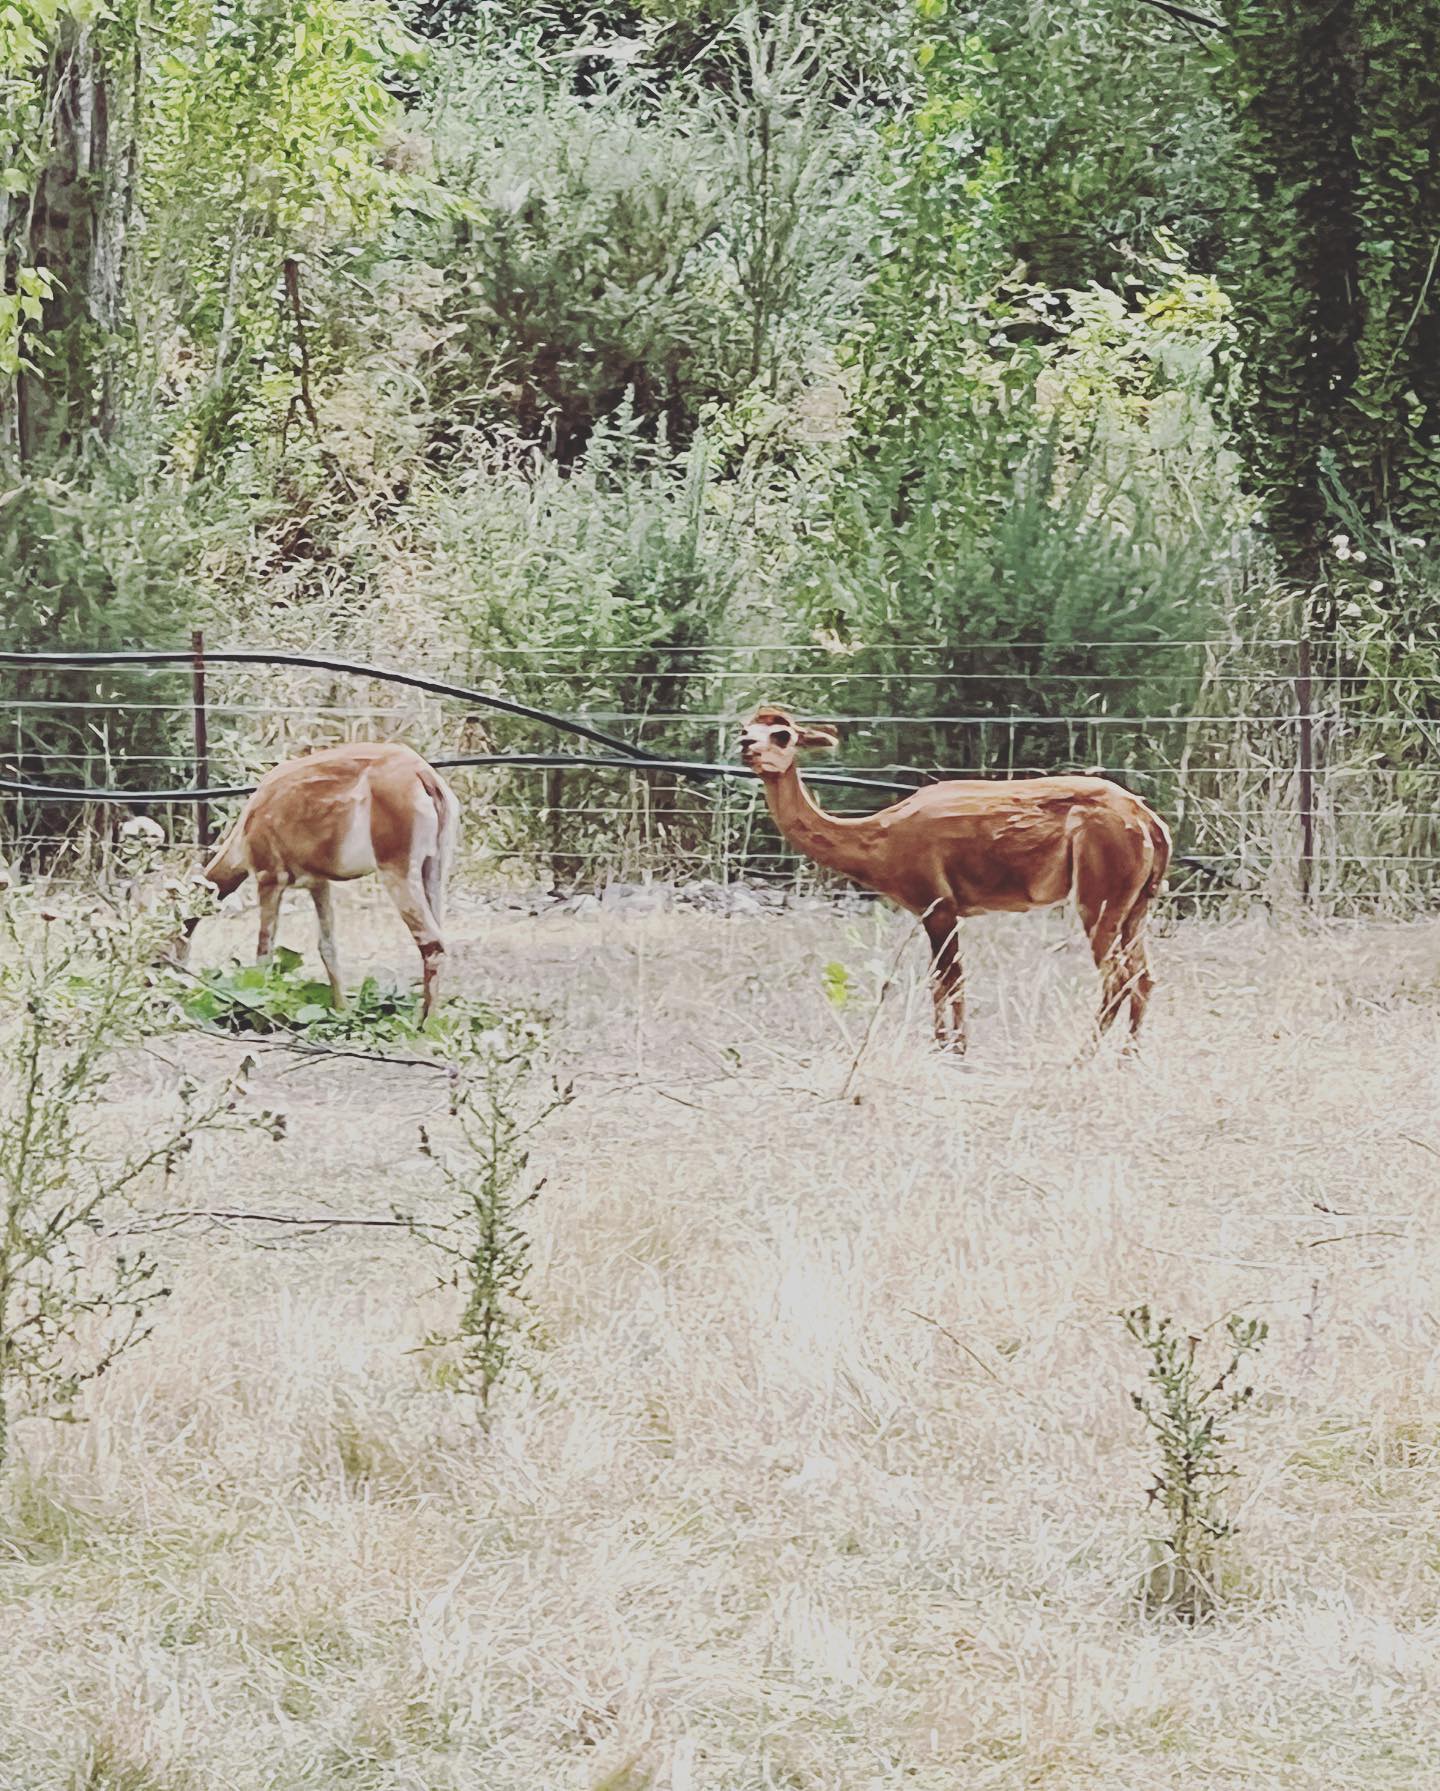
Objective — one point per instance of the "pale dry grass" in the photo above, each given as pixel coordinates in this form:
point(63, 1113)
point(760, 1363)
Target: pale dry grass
point(829, 1477)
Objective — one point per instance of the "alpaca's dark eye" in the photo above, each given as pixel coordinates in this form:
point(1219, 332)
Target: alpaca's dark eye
point(780, 736)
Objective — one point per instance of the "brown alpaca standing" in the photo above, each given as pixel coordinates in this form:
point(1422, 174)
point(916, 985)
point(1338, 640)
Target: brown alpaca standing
point(975, 847)
point(337, 814)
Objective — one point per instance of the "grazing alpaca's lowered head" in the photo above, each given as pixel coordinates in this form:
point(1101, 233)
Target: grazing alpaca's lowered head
point(981, 846)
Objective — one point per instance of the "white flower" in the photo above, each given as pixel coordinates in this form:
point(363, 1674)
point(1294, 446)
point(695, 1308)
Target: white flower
point(1338, 542)
point(1375, 585)
point(1357, 556)
point(1342, 552)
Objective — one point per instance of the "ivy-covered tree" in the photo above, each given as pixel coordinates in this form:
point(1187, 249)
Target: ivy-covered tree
point(65, 106)
point(1336, 242)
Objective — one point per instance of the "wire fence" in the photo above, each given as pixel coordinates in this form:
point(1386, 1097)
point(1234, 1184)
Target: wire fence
point(1286, 769)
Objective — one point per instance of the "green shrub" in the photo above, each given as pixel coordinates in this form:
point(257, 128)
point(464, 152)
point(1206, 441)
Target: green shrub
point(97, 558)
point(665, 250)
point(1185, 1411)
point(76, 992)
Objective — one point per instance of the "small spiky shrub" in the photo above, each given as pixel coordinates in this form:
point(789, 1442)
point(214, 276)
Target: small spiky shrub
point(1186, 1407)
point(501, 1097)
point(77, 991)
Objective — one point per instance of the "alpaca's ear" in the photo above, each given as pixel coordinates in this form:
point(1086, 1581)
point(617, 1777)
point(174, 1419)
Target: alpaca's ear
point(826, 737)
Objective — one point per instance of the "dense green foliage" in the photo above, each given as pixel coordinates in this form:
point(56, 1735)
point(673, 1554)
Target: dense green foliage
point(571, 345)
point(92, 557)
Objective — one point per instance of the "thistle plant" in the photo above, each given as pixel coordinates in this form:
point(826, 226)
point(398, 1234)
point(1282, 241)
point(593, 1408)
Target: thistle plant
point(500, 1099)
point(1186, 1408)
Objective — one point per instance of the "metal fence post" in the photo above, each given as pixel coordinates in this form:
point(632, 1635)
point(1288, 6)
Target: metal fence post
point(202, 736)
point(555, 823)
point(1306, 766)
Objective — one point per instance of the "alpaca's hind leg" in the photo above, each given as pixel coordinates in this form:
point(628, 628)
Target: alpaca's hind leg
point(1112, 909)
point(1101, 916)
point(1138, 980)
point(407, 891)
point(947, 977)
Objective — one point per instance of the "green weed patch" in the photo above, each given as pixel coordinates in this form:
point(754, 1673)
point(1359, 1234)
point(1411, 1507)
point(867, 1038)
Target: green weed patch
point(280, 998)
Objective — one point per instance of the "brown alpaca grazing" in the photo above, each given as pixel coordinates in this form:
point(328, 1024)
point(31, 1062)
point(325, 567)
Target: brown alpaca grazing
point(981, 847)
point(337, 814)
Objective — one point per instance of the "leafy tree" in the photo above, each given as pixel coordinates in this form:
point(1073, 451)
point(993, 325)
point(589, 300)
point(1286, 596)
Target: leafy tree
point(164, 178)
point(277, 115)
point(937, 246)
point(1113, 128)
point(1025, 465)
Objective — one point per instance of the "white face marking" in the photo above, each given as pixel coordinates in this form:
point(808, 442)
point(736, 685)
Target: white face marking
point(757, 735)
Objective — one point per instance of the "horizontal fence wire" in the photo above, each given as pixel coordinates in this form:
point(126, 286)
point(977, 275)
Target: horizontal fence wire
point(1222, 753)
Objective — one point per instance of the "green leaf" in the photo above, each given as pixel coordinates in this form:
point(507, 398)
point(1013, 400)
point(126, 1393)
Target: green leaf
point(835, 979)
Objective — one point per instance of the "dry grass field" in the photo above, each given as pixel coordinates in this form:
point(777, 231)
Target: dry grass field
point(828, 1477)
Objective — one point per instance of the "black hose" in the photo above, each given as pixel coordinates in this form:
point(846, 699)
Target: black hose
point(313, 662)
point(629, 757)
point(546, 761)
point(549, 761)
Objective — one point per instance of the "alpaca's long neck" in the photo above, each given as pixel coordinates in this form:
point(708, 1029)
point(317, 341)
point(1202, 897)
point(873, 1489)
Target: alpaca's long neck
point(841, 844)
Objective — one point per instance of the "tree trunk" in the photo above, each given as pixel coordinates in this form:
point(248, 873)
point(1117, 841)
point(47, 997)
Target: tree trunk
point(74, 230)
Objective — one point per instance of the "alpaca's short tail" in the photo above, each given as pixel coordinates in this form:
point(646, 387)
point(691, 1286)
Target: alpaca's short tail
point(435, 872)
